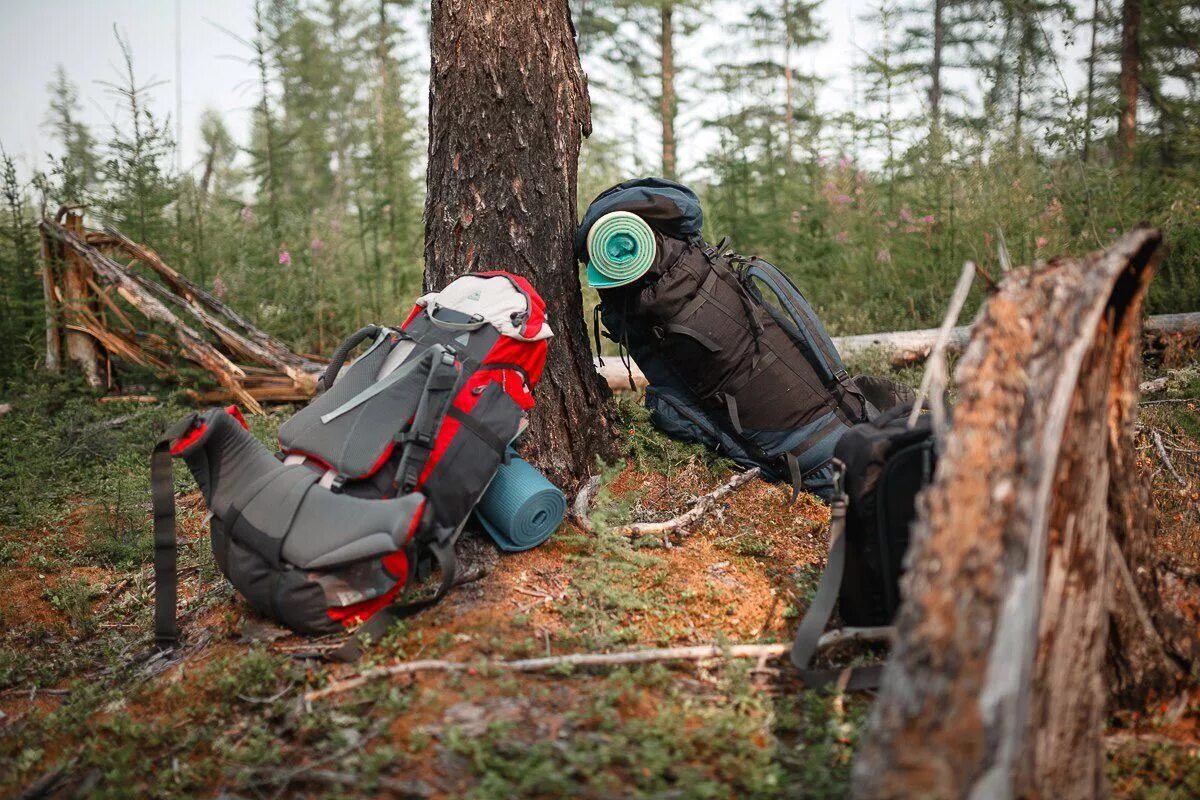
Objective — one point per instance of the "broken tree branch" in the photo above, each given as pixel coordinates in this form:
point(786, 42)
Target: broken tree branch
point(699, 508)
point(933, 383)
point(1166, 459)
point(705, 652)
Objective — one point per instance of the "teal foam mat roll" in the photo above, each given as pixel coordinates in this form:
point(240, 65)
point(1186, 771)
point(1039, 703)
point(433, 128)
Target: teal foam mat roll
point(621, 249)
point(520, 508)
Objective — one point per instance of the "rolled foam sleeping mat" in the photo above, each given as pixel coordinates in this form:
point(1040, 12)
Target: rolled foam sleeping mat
point(620, 248)
point(520, 508)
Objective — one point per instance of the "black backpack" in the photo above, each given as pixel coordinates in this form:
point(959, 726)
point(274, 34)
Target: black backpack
point(881, 466)
point(734, 355)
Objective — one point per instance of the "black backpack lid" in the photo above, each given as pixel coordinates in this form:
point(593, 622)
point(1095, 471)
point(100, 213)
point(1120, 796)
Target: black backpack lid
point(669, 207)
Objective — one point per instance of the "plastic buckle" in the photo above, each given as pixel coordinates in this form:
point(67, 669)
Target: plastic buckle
point(337, 483)
point(839, 479)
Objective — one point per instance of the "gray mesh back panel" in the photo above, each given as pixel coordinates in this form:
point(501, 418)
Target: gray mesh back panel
point(352, 431)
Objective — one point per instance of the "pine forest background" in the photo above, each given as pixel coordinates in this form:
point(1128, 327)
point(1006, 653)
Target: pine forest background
point(962, 127)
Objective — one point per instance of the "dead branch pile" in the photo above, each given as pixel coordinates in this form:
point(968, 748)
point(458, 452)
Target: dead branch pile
point(105, 310)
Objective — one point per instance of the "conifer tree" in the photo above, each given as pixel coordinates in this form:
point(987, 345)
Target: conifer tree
point(138, 184)
point(77, 166)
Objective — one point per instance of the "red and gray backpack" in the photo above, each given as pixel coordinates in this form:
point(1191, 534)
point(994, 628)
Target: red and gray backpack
point(375, 478)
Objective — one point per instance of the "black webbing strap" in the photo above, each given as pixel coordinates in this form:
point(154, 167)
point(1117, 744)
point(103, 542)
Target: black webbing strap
point(808, 636)
point(706, 342)
point(162, 498)
point(418, 439)
point(382, 620)
point(484, 434)
point(731, 408)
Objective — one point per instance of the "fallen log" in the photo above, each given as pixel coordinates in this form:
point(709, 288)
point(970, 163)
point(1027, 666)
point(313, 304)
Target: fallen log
point(1030, 599)
point(905, 348)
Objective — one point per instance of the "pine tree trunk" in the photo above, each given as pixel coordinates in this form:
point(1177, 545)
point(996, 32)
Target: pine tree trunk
point(935, 67)
point(1030, 602)
point(789, 117)
point(1089, 110)
point(667, 94)
point(508, 103)
point(1131, 62)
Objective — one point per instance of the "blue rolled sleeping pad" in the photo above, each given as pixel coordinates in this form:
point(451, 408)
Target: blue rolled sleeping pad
point(520, 509)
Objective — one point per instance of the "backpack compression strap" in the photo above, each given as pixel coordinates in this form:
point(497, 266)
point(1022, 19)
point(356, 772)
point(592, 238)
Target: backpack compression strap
point(162, 496)
point(808, 636)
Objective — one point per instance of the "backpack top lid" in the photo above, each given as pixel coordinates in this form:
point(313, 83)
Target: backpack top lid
point(670, 208)
point(508, 302)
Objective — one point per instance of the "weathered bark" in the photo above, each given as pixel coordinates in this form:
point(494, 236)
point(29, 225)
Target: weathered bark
point(997, 687)
point(935, 66)
point(789, 106)
point(81, 347)
point(667, 107)
point(508, 103)
point(1089, 108)
point(1131, 63)
point(50, 299)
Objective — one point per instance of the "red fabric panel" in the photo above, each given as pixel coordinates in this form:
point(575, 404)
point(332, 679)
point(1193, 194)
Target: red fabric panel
point(411, 316)
point(529, 356)
point(236, 413)
point(184, 442)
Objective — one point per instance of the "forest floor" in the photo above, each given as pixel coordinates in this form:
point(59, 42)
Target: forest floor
point(86, 709)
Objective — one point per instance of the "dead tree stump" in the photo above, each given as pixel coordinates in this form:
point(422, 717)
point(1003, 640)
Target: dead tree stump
point(1031, 595)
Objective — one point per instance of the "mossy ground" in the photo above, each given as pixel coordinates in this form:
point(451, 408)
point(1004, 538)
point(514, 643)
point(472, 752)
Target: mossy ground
point(86, 706)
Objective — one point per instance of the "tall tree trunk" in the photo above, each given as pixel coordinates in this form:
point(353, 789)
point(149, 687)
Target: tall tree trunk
point(508, 102)
point(667, 104)
point(1131, 63)
point(789, 115)
point(1089, 110)
point(998, 685)
point(935, 66)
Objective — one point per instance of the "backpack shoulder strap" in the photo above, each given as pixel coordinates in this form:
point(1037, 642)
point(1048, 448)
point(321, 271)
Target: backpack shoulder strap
point(826, 357)
point(813, 337)
point(808, 635)
point(162, 497)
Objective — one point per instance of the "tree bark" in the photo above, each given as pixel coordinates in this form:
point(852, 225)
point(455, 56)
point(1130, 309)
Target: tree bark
point(1131, 62)
point(935, 66)
point(81, 347)
point(1017, 609)
point(789, 108)
point(50, 299)
point(667, 105)
point(508, 103)
point(1089, 109)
